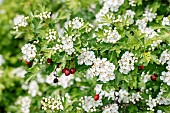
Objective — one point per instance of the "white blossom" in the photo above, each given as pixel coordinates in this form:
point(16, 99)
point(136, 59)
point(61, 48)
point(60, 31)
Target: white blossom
point(151, 103)
point(52, 103)
point(165, 77)
point(111, 36)
point(76, 23)
point(112, 108)
point(86, 57)
point(29, 51)
point(24, 102)
point(51, 35)
point(103, 69)
point(165, 21)
point(65, 81)
point(132, 3)
point(20, 21)
point(33, 88)
point(145, 77)
point(89, 104)
point(148, 15)
point(19, 72)
point(44, 15)
point(2, 61)
point(127, 62)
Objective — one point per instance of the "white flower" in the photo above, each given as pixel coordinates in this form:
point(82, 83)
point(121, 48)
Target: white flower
point(135, 97)
point(150, 33)
point(149, 16)
point(19, 72)
point(33, 88)
point(126, 62)
point(2, 61)
point(50, 78)
point(145, 77)
point(165, 21)
point(86, 57)
point(102, 68)
point(123, 96)
point(141, 24)
point(132, 3)
point(52, 103)
point(65, 81)
point(40, 79)
point(76, 23)
point(112, 108)
point(20, 21)
point(151, 103)
point(67, 44)
point(112, 5)
point(44, 15)
point(24, 102)
point(98, 88)
point(29, 51)
point(111, 36)
point(165, 56)
point(155, 44)
point(159, 111)
point(165, 77)
point(89, 104)
point(129, 15)
point(51, 35)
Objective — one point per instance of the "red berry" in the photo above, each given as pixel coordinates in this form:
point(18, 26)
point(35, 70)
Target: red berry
point(96, 97)
point(49, 60)
point(72, 70)
point(153, 77)
point(140, 67)
point(67, 72)
point(28, 63)
point(63, 70)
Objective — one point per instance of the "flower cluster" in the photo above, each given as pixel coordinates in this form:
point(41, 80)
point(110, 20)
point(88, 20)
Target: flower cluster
point(102, 68)
point(67, 44)
point(151, 103)
point(111, 36)
point(127, 62)
point(165, 77)
point(145, 77)
point(19, 72)
point(24, 102)
point(166, 21)
point(148, 15)
point(132, 3)
point(112, 108)
point(29, 51)
point(20, 21)
point(33, 88)
point(129, 16)
point(86, 57)
point(76, 23)
point(165, 57)
point(44, 15)
point(155, 44)
point(89, 104)
point(2, 61)
point(52, 103)
point(65, 81)
point(51, 35)
point(112, 5)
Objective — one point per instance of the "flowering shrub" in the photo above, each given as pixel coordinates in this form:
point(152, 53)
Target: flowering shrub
point(106, 56)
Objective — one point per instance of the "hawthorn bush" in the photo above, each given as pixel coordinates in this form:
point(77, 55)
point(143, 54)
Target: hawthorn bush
point(106, 56)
